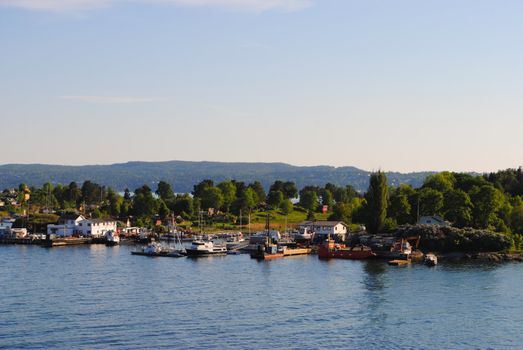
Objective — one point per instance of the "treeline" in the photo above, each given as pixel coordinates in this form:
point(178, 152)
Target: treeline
point(492, 202)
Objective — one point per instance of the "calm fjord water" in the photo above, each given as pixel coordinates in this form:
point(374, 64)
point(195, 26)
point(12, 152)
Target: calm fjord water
point(95, 297)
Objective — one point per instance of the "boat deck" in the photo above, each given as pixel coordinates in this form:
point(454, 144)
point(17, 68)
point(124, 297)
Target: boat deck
point(297, 251)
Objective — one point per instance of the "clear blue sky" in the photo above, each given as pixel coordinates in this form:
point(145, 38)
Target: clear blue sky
point(398, 85)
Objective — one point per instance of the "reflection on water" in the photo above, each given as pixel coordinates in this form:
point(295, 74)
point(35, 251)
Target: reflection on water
point(99, 297)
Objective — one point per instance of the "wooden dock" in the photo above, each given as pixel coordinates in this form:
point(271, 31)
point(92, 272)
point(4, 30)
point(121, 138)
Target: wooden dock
point(398, 262)
point(25, 241)
point(62, 242)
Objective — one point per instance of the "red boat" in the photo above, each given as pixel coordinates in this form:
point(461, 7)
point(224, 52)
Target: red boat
point(331, 250)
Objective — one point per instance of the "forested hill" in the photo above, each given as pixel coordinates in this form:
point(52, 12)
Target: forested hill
point(184, 174)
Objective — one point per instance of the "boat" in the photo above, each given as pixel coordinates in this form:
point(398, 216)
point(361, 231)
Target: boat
point(304, 234)
point(156, 249)
point(265, 244)
point(205, 248)
point(332, 250)
point(431, 259)
point(111, 239)
point(393, 249)
point(267, 251)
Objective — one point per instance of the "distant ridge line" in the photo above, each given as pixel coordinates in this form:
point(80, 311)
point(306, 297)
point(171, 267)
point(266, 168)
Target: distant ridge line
point(184, 174)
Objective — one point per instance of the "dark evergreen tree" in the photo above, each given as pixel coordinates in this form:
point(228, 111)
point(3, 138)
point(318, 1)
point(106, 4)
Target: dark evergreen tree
point(377, 201)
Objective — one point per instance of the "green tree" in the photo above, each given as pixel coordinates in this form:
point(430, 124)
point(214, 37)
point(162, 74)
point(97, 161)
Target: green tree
point(260, 192)
point(212, 197)
point(246, 202)
point(441, 182)
point(163, 211)
point(289, 190)
point(228, 190)
point(275, 198)
point(516, 220)
point(400, 208)
point(430, 201)
point(286, 206)
point(91, 193)
point(199, 188)
point(457, 207)
point(327, 198)
point(487, 201)
point(309, 200)
point(144, 204)
point(341, 212)
point(74, 194)
point(115, 202)
point(96, 214)
point(183, 204)
point(165, 191)
point(377, 201)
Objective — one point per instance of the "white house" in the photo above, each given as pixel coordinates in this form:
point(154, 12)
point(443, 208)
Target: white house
point(433, 220)
point(322, 229)
point(96, 227)
point(67, 225)
point(7, 230)
point(71, 225)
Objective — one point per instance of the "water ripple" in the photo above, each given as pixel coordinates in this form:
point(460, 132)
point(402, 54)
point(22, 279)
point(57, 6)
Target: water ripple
point(99, 297)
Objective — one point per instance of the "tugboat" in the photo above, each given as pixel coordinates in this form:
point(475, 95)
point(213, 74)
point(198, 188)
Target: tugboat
point(267, 249)
point(202, 248)
point(331, 250)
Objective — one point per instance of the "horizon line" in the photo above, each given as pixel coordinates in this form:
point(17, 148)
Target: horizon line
point(257, 162)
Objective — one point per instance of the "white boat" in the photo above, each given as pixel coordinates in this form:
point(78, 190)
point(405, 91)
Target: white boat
point(260, 236)
point(205, 248)
point(111, 238)
point(304, 234)
point(431, 259)
point(156, 249)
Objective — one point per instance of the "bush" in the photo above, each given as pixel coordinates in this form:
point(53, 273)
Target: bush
point(452, 239)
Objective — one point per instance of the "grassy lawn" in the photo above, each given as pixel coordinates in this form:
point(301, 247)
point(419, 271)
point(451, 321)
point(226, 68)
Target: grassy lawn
point(278, 221)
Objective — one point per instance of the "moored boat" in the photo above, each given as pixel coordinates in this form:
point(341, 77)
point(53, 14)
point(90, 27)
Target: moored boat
point(203, 248)
point(331, 250)
point(431, 259)
point(156, 249)
point(111, 239)
point(397, 249)
point(267, 251)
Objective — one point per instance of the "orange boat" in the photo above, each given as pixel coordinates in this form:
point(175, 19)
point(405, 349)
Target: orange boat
point(332, 250)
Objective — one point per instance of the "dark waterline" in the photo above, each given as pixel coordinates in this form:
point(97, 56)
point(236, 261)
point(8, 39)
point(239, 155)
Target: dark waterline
point(97, 297)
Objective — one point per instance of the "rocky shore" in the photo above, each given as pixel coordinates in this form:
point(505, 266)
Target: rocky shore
point(482, 257)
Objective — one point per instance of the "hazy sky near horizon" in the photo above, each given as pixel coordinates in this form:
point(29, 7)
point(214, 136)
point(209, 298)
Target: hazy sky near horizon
point(400, 85)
